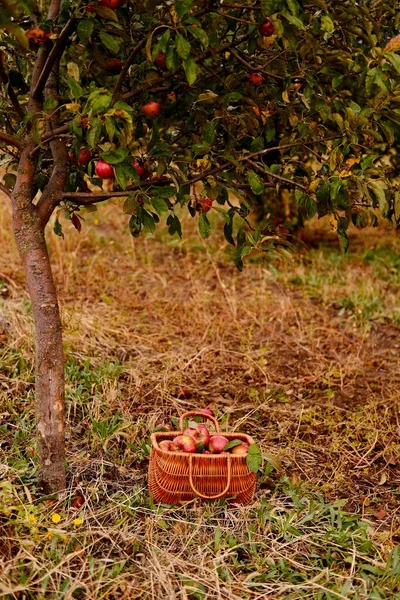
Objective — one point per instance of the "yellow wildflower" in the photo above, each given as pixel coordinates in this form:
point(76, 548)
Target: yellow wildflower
point(56, 518)
point(78, 522)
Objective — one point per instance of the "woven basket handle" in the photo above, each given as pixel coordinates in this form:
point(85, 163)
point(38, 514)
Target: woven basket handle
point(228, 481)
point(198, 413)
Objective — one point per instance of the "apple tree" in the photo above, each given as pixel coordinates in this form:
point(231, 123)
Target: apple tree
point(205, 106)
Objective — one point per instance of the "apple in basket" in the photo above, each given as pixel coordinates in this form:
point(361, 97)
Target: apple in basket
point(241, 449)
point(185, 443)
point(201, 435)
point(166, 445)
point(217, 444)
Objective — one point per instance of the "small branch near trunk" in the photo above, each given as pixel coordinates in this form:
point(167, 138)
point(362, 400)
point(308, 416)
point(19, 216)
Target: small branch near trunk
point(5, 190)
point(254, 69)
point(11, 94)
point(128, 63)
point(55, 53)
point(10, 140)
point(265, 173)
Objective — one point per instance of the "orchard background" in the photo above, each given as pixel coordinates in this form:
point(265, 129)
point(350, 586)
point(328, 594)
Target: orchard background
point(232, 124)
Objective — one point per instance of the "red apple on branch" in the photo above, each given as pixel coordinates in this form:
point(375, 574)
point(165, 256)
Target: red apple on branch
point(255, 78)
point(84, 156)
point(114, 66)
point(160, 62)
point(139, 168)
point(113, 4)
point(204, 204)
point(104, 170)
point(266, 29)
point(151, 109)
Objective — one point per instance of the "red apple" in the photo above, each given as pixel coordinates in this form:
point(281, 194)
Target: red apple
point(201, 435)
point(240, 450)
point(139, 168)
point(208, 411)
point(204, 204)
point(266, 29)
point(190, 431)
point(160, 62)
point(84, 156)
point(166, 445)
point(217, 444)
point(37, 36)
point(185, 443)
point(256, 78)
point(207, 452)
point(151, 109)
point(104, 170)
point(171, 97)
point(114, 4)
point(114, 66)
point(90, 8)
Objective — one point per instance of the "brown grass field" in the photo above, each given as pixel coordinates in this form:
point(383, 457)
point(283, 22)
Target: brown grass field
point(301, 354)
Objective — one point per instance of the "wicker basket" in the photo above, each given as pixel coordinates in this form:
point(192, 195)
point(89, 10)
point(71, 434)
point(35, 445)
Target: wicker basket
point(178, 476)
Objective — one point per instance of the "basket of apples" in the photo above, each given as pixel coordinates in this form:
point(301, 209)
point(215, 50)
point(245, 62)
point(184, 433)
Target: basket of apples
point(195, 463)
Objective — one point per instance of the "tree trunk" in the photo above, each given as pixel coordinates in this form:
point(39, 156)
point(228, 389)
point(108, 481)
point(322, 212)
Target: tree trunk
point(49, 358)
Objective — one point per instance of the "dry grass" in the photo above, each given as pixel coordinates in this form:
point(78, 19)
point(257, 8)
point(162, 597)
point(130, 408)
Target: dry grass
point(304, 356)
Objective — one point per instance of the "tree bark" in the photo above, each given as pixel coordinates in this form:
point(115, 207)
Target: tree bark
point(49, 358)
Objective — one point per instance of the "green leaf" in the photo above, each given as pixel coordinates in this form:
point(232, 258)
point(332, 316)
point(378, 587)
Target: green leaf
point(254, 458)
point(174, 225)
point(228, 232)
point(394, 59)
point(182, 7)
point(110, 128)
point(50, 103)
point(204, 226)
point(293, 7)
point(256, 184)
point(171, 59)
point(106, 13)
point(115, 156)
point(75, 88)
point(85, 29)
point(327, 24)
point(58, 228)
point(94, 133)
point(182, 46)
point(191, 69)
point(164, 40)
point(208, 133)
point(268, 7)
point(232, 444)
point(135, 226)
point(160, 206)
point(110, 42)
point(99, 101)
point(200, 35)
point(148, 221)
point(294, 21)
point(121, 175)
point(130, 205)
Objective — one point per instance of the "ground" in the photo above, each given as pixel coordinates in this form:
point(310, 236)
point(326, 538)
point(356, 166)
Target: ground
point(303, 354)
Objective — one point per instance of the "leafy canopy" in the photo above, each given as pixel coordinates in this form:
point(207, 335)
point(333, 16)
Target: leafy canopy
point(326, 95)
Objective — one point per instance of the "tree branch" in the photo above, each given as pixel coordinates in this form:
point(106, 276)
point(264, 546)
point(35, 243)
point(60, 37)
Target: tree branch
point(11, 94)
point(51, 196)
point(10, 140)
point(254, 69)
point(129, 61)
point(55, 54)
point(265, 173)
point(5, 190)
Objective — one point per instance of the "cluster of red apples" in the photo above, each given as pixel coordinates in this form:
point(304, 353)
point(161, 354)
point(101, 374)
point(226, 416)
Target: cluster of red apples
point(199, 441)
